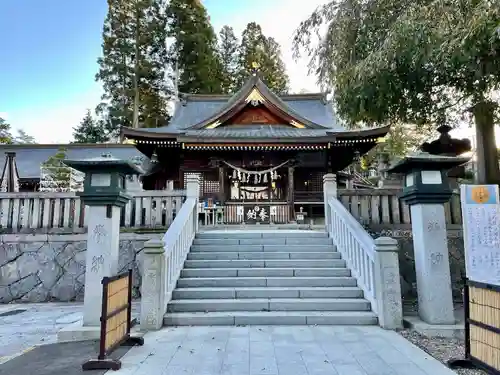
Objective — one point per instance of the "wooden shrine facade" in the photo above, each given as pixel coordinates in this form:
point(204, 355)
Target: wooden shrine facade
point(251, 150)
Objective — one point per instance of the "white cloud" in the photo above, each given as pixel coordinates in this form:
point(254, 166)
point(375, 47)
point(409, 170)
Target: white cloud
point(4, 115)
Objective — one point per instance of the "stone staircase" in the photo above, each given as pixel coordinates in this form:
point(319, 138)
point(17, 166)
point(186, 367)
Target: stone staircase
point(266, 278)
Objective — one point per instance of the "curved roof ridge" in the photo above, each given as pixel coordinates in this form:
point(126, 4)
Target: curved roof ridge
point(254, 82)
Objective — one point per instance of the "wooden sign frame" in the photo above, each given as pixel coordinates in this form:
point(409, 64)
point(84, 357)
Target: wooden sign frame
point(482, 328)
point(116, 313)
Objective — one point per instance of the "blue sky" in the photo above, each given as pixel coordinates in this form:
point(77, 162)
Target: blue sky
point(50, 47)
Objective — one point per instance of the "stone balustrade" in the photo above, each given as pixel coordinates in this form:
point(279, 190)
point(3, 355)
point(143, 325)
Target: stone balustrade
point(373, 262)
point(164, 260)
point(25, 212)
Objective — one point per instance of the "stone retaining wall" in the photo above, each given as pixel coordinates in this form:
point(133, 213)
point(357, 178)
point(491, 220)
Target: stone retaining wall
point(51, 267)
point(403, 234)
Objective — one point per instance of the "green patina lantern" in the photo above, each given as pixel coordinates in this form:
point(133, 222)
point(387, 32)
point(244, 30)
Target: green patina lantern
point(105, 180)
point(425, 177)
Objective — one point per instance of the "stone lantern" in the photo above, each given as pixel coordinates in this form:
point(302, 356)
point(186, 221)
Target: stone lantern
point(104, 194)
point(426, 189)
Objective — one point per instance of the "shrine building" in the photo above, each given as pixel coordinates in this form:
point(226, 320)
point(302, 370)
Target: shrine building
point(253, 149)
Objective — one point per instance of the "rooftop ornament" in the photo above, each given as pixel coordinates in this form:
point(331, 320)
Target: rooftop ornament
point(445, 145)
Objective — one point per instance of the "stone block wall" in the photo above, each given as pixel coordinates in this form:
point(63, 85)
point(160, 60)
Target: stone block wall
point(51, 267)
point(403, 234)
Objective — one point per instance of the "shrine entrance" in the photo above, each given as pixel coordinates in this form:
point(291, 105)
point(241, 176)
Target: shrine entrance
point(252, 191)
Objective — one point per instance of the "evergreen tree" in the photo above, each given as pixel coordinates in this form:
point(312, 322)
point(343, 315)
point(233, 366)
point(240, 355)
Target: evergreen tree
point(90, 131)
point(194, 50)
point(132, 66)
point(228, 53)
point(5, 133)
point(24, 138)
point(256, 48)
point(56, 176)
point(7, 138)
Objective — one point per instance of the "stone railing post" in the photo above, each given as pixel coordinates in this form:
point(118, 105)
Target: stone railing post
point(193, 191)
point(153, 285)
point(388, 284)
point(329, 190)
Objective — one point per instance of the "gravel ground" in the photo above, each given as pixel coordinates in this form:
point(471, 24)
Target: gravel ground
point(441, 348)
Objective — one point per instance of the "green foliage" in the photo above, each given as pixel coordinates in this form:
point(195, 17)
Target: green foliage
point(56, 175)
point(5, 132)
point(6, 136)
point(24, 138)
point(132, 65)
point(194, 50)
point(255, 47)
point(228, 54)
point(90, 131)
point(405, 61)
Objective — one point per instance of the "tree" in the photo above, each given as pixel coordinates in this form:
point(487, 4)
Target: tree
point(55, 176)
point(24, 138)
point(256, 48)
point(90, 131)
point(132, 66)
point(6, 136)
point(228, 54)
point(193, 54)
point(5, 132)
point(411, 62)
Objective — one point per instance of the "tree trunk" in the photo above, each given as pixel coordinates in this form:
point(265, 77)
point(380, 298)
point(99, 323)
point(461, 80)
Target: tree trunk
point(135, 121)
point(488, 171)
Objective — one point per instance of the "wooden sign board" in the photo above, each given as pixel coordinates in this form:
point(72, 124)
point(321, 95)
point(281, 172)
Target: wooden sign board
point(116, 321)
point(254, 214)
point(481, 220)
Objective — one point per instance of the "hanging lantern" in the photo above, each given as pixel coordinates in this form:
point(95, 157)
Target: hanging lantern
point(234, 174)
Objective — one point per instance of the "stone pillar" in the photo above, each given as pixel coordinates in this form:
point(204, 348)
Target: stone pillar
point(291, 188)
point(388, 283)
point(193, 191)
point(153, 285)
point(432, 266)
point(101, 257)
point(222, 184)
point(426, 190)
point(329, 190)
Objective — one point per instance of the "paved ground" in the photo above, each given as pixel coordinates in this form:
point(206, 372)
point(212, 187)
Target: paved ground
point(23, 326)
point(57, 359)
point(313, 350)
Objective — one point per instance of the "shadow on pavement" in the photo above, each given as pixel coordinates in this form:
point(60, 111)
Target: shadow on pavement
point(57, 359)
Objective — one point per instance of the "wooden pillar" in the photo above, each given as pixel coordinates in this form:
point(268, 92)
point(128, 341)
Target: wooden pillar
point(222, 183)
point(291, 188)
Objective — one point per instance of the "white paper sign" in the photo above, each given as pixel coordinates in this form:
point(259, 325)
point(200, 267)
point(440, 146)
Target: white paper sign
point(481, 224)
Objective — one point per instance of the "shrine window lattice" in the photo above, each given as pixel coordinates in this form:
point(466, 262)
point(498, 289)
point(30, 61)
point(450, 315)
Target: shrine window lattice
point(209, 184)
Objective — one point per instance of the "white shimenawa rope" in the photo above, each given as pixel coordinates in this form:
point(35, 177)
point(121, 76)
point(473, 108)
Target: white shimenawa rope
point(246, 171)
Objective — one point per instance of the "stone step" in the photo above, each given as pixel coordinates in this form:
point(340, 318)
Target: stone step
point(268, 292)
point(264, 241)
point(271, 318)
point(283, 263)
point(261, 255)
point(266, 304)
point(262, 248)
point(263, 272)
point(235, 234)
point(196, 282)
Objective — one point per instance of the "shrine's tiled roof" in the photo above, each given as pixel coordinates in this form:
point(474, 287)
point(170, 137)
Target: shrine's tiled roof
point(199, 117)
point(30, 157)
point(255, 132)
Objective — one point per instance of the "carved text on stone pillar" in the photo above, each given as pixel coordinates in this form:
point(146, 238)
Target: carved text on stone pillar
point(97, 262)
point(99, 233)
